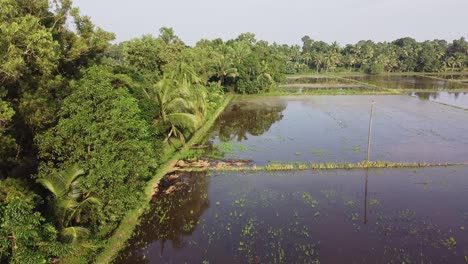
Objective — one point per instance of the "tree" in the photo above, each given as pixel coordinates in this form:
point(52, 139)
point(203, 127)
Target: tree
point(374, 68)
point(7, 142)
point(39, 55)
point(25, 236)
point(101, 130)
point(319, 60)
point(224, 69)
point(176, 110)
point(69, 202)
point(264, 77)
point(143, 55)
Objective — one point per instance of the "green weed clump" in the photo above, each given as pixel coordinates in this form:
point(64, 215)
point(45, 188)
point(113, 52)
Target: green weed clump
point(331, 165)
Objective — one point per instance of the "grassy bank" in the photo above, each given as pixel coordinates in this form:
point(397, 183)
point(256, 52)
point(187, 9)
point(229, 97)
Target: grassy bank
point(329, 166)
point(435, 77)
point(320, 91)
point(125, 230)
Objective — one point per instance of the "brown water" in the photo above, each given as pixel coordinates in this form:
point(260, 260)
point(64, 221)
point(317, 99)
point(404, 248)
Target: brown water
point(321, 129)
point(409, 82)
point(457, 99)
point(335, 216)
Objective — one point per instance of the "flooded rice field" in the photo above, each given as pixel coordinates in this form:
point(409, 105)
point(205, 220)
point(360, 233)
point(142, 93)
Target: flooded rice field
point(321, 129)
point(305, 84)
point(400, 215)
point(454, 77)
point(305, 88)
point(457, 99)
point(409, 82)
point(335, 216)
point(316, 80)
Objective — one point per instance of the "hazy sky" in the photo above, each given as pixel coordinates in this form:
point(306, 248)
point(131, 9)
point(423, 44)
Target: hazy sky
point(345, 21)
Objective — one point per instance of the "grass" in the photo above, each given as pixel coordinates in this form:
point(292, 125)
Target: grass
point(326, 92)
point(328, 166)
point(125, 230)
point(435, 77)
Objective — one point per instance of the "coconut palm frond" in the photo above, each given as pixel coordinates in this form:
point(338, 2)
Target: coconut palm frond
point(74, 234)
point(178, 104)
point(71, 174)
point(184, 120)
point(54, 183)
point(90, 201)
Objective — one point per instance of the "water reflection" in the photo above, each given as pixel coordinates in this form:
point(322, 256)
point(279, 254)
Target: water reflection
point(409, 82)
point(319, 129)
point(172, 219)
point(458, 99)
point(454, 77)
point(244, 117)
point(410, 216)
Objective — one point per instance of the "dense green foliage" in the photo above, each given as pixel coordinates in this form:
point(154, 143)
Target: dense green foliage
point(401, 55)
point(84, 123)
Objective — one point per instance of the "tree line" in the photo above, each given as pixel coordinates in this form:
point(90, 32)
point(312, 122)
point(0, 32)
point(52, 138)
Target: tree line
point(401, 55)
point(84, 123)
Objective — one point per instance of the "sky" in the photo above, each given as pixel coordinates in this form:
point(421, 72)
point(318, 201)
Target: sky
point(287, 21)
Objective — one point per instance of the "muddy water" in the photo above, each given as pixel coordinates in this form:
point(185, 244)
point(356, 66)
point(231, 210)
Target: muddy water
point(409, 82)
point(458, 99)
point(336, 216)
point(334, 129)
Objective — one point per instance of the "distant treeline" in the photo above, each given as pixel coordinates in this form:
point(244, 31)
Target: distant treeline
point(401, 55)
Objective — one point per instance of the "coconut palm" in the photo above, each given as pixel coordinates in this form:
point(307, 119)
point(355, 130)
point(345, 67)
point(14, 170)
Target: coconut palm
point(319, 60)
point(176, 107)
point(69, 202)
point(185, 74)
point(224, 68)
point(264, 76)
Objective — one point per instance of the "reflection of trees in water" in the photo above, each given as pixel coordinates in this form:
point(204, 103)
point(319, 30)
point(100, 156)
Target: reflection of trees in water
point(426, 95)
point(170, 219)
point(246, 117)
point(435, 95)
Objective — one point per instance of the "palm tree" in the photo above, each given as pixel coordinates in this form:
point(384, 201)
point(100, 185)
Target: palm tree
point(264, 76)
point(69, 202)
point(331, 60)
point(224, 68)
point(240, 51)
point(176, 107)
point(450, 62)
point(459, 60)
point(319, 59)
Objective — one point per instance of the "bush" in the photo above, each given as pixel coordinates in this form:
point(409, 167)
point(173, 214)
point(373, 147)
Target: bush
point(374, 68)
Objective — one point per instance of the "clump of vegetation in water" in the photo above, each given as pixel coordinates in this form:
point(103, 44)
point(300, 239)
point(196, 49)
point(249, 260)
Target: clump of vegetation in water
point(307, 198)
point(450, 243)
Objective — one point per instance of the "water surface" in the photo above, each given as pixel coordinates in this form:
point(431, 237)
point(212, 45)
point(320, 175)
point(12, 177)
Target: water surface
point(321, 129)
point(336, 216)
point(454, 77)
point(457, 99)
point(408, 82)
